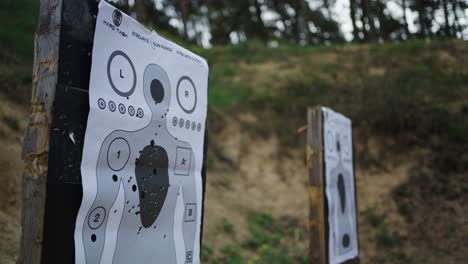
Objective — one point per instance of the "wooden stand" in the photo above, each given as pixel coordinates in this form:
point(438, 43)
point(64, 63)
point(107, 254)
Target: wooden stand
point(314, 158)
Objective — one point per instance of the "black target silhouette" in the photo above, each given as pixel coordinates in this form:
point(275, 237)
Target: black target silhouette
point(151, 171)
point(342, 192)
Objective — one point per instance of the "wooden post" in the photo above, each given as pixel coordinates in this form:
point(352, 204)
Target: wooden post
point(54, 139)
point(314, 158)
point(53, 143)
point(36, 141)
point(318, 218)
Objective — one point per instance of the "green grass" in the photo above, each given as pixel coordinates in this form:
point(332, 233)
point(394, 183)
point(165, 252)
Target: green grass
point(228, 228)
point(270, 242)
point(19, 19)
point(411, 99)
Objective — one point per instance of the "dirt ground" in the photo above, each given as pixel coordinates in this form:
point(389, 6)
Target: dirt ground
point(261, 175)
point(264, 175)
point(256, 173)
point(12, 125)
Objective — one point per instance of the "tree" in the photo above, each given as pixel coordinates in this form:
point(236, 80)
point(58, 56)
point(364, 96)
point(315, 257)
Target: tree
point(455, 5)
point(352, 13)
point(367, 20)
point(404, 6)
point(447, 29)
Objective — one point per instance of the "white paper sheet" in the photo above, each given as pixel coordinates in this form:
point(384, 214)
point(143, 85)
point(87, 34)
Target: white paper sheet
point(340, 190)
point(143, 151)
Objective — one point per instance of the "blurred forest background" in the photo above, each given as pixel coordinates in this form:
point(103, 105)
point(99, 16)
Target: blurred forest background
point(398, 68)
point(303, 22)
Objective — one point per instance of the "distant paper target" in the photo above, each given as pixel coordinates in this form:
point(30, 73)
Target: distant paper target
point(339, 187)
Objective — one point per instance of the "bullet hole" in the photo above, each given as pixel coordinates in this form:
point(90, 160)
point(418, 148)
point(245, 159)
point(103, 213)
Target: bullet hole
point(114, 177)
point(93, 237)
point(134, 188)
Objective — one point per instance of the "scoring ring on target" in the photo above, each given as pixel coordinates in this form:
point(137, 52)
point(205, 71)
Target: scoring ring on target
point(188, 99)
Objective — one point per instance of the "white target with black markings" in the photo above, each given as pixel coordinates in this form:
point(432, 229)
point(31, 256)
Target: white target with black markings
point(143, 149)
point(339, 187)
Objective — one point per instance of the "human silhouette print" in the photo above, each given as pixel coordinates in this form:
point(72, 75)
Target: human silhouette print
point(140, 192)
point(342, 211)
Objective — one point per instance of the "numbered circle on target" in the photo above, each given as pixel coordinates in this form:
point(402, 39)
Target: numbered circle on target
point(96, 217)
point(118, 154)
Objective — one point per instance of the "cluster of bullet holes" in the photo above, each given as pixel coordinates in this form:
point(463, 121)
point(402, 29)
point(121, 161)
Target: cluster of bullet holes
point(152, 177)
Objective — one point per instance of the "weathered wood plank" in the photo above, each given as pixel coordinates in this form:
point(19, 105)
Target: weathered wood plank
point(314, 159)
point(36, 142)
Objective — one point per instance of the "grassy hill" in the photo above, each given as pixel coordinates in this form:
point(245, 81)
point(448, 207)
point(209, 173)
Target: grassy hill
point(409, 105)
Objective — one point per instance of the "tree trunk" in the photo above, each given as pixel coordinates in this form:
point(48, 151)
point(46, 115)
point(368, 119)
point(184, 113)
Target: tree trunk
point(421, 19)
point(352, 11)
point(364, 23)
point(140, 11)
point(279, 7)
point(367, 16)
point(261, 26)
point(447, 28)
point(429, 21)
point(456, 22)
point(383, 29)
point(405, 19)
